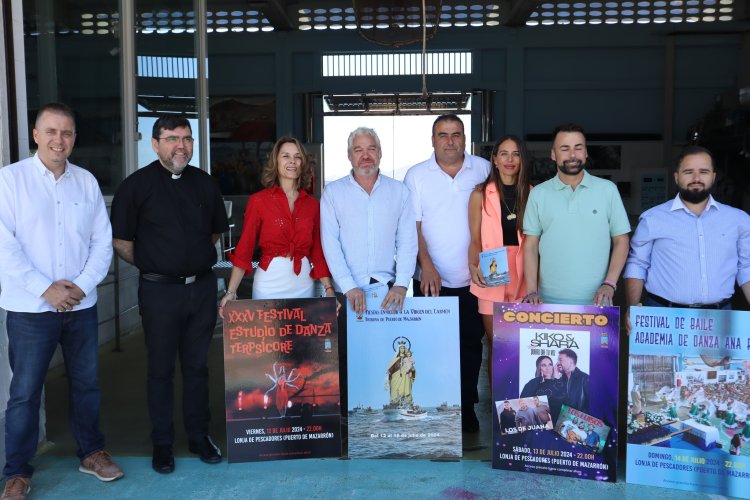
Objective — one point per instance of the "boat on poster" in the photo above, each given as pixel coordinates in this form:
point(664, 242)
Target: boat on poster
point(403, 371)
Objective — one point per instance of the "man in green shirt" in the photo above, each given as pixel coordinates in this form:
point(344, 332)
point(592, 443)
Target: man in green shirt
point(576, 230)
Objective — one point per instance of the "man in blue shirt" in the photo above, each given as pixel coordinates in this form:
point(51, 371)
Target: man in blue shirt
point(688, 252)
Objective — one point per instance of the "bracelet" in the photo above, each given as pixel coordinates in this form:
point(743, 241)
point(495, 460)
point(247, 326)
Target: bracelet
point(530, 294)
point(328, 287)
point(231, 292)
point(611, 284)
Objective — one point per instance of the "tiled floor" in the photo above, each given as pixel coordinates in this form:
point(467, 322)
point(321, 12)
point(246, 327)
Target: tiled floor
point(125, 424)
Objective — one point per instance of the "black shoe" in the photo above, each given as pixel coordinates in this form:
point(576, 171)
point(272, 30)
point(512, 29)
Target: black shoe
point(469, 420)
point(163, 460)
point(206, 449)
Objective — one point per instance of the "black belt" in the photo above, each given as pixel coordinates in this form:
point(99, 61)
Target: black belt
point(174, 280)
point(664, 302)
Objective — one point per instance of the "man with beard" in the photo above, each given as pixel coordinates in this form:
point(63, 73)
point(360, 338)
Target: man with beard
point(507, 418)
point(166, 219)
point(369, 234)
point(368, 228)
point(689, 251)
point(576, 228)
point(576, 380)
point(525, 416)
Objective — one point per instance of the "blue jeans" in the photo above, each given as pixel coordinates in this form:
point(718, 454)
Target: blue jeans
point(32, 340)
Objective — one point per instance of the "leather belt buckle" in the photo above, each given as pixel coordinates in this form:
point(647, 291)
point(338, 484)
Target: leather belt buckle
point(190, 279)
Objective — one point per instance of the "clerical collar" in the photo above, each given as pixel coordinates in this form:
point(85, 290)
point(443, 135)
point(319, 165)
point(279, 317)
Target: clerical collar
point(175, 176)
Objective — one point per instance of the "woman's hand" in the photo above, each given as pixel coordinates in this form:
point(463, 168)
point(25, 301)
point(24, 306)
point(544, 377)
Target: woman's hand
point(330, 292)
point(557, 371)
point(476, 276)
point(230, 295)
point(532, 298)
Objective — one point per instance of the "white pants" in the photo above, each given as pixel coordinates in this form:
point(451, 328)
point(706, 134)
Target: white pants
point(280, 282)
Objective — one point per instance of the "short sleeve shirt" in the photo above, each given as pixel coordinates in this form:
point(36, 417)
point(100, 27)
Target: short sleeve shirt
point(575, 229)
point(441, 203)
point(170, 221)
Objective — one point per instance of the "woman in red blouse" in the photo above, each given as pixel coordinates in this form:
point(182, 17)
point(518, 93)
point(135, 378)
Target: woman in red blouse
point(284, 221)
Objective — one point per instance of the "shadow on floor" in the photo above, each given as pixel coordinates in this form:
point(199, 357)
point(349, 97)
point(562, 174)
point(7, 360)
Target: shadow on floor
point(125, 423)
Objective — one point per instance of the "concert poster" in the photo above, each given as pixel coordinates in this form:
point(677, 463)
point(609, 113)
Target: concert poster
point(555, 371)
point(404, 379)
point(281, 368)
point(688, 420)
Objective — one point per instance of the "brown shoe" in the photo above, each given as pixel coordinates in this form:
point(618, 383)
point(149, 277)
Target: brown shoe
point(100, 464)
point(17, 488)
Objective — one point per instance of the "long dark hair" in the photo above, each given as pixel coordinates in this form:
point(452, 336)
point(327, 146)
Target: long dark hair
point(522, 184)
point(539, 365)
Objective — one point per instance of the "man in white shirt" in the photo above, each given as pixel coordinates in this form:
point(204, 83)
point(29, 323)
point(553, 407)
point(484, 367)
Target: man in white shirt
point(368, 234)
point(55, 248)
point(367, 227)
point(440, 189)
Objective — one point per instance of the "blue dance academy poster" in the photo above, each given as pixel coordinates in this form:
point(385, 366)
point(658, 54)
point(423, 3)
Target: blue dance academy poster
point(689, 400)
point(404, 379)
point(555, 373)
point(281, 370)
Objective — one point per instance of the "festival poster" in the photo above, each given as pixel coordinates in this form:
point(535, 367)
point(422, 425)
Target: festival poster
point(689, 400)
point(281, 372)
point(404, 379)
point(555, 369)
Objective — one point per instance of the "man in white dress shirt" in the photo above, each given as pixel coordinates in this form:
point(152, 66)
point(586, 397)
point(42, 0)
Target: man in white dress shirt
point(440, 189)
point(368, 234)
point(55, 248)
point(367, 227)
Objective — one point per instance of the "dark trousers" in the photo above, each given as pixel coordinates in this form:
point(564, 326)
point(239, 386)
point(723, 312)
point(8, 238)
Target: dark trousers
point(32, 340)
point(178, 321)
point(471, 332)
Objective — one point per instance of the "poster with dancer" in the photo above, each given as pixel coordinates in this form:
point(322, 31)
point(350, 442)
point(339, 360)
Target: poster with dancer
point(689, 400)
point(555, 372)
point(404, 379)
point(281, 370)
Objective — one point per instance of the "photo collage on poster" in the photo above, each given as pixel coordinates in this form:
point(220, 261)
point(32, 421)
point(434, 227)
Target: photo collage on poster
point(688, 413)
point(555, 380)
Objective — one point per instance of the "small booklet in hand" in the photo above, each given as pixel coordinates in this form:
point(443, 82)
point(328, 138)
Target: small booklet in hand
point(493, 264)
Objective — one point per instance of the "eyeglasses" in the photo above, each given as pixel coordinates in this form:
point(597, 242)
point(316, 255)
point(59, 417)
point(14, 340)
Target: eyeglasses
point(173, 139)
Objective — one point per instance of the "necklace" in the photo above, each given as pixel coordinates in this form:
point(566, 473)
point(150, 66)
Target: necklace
point(511, 214)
